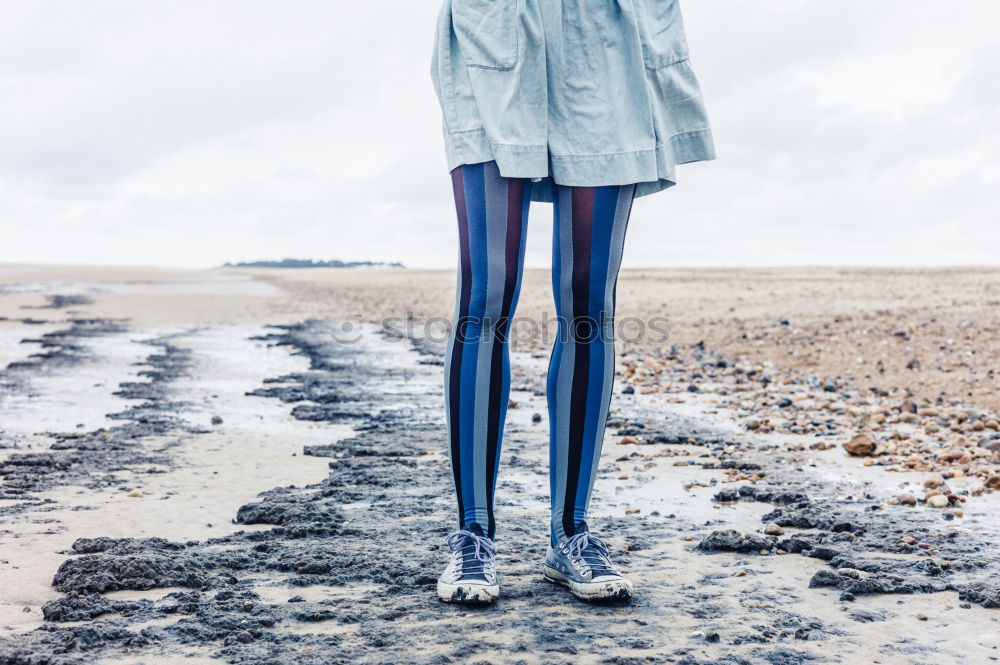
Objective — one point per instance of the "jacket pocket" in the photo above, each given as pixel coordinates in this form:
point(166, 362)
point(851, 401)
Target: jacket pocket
point(487, 32)
point(661, 31)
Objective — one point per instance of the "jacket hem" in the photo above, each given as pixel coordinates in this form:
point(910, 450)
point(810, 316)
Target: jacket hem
point(651, 170)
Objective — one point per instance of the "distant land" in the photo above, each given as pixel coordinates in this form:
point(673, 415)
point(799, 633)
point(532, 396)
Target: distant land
point(304, 263)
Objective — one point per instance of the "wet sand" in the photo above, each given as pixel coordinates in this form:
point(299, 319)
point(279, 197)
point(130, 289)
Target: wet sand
point(195, 464)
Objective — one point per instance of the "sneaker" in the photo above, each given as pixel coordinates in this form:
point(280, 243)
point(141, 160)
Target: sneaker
point(471, 575)
point(581, 562)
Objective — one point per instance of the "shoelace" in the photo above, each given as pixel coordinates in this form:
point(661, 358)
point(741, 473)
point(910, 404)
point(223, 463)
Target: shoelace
point(591, 550)
point(477, 551)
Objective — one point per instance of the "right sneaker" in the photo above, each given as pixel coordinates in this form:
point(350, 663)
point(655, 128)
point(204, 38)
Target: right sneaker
point(582, 564)
point(471, 575)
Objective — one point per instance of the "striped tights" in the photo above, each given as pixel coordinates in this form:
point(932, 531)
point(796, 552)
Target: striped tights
point(588, 235)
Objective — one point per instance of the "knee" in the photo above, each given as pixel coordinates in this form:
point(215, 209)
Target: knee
point(594, 294)
point(491, 300)
point(585, 310)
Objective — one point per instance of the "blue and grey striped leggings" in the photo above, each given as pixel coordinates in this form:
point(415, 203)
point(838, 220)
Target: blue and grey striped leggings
point(589, 231)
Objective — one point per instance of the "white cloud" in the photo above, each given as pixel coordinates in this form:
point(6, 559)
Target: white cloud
point(188, 134)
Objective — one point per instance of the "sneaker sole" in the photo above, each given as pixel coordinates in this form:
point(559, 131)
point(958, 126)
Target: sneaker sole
point(468, 594)
point(590, 591)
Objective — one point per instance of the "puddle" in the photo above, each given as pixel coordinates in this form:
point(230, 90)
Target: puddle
point(73, 398)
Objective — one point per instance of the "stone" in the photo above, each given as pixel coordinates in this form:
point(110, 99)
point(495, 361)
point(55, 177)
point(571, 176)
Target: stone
point(937, 501)
point(730, 540)
point(862, 444)
point(933, 481)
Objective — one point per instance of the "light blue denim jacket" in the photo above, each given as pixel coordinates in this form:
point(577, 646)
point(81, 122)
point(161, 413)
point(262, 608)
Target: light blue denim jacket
point(576, 92)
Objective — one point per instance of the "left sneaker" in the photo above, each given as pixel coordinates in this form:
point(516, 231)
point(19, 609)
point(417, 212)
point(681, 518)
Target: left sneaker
point(582, 563)
point(471, 575)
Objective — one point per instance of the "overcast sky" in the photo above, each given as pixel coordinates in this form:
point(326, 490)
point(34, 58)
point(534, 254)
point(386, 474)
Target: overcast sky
point(188, 133)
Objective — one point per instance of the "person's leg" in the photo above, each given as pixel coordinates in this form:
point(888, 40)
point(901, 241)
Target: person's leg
point(492, 223)
point(588, 236)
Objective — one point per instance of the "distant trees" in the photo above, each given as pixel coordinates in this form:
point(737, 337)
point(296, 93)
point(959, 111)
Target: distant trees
point(310, 263)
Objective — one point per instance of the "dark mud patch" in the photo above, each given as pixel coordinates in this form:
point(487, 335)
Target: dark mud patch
point(765, 495)
point(62, 301)
point(60, 349)
point(731, 540)
point(91, 459)
point(679, 430)
point(28, 321)
point(871, 547)
point(332, 390)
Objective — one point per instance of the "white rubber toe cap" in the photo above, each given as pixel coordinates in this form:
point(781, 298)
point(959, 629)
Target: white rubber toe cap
point(607, 587)
point(471, 592)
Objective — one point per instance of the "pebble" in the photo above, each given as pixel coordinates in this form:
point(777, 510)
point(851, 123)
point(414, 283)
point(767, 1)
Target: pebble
point(861, 444)
point(216, 420)
point(773, 529)
point(536, 417)
point(934, 480)
point(136, 494)
point(937, 501)
point(908, 499)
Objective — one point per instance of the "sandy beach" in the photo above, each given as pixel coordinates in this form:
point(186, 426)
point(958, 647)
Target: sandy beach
point(248, 466)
